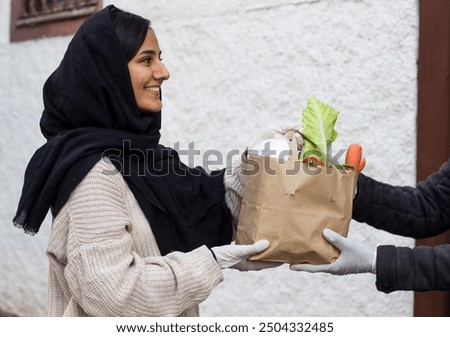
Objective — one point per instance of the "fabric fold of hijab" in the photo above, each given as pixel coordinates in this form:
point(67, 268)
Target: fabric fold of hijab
point(90, 113)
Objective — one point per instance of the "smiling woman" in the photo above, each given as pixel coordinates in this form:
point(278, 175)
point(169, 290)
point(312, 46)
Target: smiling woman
point(124, 242)
point(143, 55)
point(147, 73)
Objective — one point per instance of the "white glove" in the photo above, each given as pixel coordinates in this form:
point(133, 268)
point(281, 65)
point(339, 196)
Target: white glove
point(355, 257)
point(235, 256)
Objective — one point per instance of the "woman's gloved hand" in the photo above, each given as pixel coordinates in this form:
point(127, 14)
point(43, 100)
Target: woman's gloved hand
point(235, 256)
point(355, 257)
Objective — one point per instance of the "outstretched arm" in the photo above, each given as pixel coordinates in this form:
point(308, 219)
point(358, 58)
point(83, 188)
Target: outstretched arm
point(418, 212)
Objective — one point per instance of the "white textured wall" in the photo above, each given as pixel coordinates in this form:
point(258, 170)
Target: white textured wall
point(236, 68)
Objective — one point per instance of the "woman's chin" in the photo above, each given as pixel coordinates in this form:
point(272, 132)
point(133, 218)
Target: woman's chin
point(150, 110)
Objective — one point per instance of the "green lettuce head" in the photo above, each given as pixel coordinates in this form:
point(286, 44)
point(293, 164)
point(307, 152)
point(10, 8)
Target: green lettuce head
point(318, 120)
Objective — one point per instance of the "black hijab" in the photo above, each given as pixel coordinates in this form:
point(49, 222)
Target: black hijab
point(90, 113)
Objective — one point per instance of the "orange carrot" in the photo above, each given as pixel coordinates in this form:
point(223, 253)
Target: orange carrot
point(361, 165)
point(354, 155)
point(311, 160)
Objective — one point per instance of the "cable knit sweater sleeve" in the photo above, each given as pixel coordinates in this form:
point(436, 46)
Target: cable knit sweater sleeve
point(234, 186)
point(113, 264)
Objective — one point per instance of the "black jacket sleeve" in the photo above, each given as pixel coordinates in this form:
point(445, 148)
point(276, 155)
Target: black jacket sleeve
point(419, 269)
point(418, 212)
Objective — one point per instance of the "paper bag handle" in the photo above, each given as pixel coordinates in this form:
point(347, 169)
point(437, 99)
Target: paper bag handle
point(289, 177)
point(290, 135)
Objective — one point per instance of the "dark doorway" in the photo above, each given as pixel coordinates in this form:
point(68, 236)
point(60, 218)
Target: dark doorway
point(433, 123)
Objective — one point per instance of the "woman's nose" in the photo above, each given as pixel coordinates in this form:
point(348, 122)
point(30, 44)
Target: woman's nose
point(162, 73)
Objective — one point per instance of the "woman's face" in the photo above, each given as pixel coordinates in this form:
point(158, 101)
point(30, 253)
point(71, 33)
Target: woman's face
point(147, 73)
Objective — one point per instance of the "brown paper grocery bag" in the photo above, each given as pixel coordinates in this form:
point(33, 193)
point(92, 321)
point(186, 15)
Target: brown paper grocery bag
point(290, 203)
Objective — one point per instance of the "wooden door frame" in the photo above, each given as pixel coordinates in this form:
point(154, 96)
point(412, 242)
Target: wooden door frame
point(433, 122)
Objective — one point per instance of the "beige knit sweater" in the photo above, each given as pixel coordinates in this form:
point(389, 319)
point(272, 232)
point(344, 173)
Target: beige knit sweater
point(104, 260)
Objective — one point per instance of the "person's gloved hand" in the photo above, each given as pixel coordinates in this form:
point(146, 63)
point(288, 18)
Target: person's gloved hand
point(355, 257)
point(235, 256)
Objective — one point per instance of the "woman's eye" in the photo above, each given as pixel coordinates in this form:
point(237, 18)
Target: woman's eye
point(149, 60)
